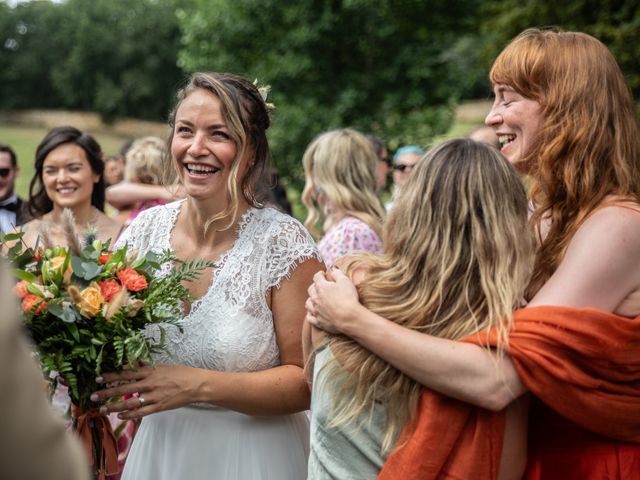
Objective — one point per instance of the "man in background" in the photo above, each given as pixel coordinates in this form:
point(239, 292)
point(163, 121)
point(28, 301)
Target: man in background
point(384, 161)
point(486, 135)
point(404, 160)
point(12, 208)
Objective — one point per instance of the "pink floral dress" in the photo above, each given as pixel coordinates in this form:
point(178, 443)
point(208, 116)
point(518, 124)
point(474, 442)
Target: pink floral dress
point(350, 235)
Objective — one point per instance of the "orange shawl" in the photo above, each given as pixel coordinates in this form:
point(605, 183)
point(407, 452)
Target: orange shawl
point(583, 363)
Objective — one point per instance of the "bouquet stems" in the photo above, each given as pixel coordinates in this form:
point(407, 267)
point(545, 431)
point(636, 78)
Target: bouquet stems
point(98, 440)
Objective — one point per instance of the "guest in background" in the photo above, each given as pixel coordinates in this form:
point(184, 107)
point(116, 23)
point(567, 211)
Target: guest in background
point(404, 160)
point(384, 161)
point(274, 194)
point(340, 178)
point(68, 174)
point(113, 170)
point(35, 444)
point(144, 165)
point(13, 211)
point(485, 134)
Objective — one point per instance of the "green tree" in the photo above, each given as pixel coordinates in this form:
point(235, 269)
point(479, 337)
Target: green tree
point(378, 66)
point(115, 57)
point(614, 22)
point(29, 48)
point(120, 58)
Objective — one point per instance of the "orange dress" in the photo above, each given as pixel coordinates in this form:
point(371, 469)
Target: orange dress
point(561, 450)
point(582, 363)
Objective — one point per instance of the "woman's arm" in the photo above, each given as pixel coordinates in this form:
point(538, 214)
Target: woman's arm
point(125, 194)
point(599, 270)
point(275, 391)
point(455, 369)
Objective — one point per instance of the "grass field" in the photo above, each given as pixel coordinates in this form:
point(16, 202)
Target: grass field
point(25, 139)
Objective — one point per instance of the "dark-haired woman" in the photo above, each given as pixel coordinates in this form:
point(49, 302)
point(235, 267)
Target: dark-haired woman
point(68, 174)
point(227, 398)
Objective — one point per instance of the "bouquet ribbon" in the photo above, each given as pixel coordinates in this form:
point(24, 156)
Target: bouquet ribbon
point(107, 452)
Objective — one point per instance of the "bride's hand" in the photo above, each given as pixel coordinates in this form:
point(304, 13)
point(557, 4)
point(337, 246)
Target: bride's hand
point(159, 388)
point(333, 301)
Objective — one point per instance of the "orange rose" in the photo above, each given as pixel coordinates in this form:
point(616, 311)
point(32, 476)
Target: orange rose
point(91, 301)
point(104, 258)
point(109, 288)
point(31, 301)
point(132, 280)
point(21, 289)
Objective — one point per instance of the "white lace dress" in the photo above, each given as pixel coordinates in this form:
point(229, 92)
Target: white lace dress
point(229, 329)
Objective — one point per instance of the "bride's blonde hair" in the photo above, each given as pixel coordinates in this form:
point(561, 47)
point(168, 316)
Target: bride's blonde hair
point(458, 255)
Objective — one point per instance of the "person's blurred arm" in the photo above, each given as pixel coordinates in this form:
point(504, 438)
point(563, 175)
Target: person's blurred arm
point(34, 441)
point(125, 194)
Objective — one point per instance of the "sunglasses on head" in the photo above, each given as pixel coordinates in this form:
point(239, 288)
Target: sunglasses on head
point(4, 172)
point(401, 167)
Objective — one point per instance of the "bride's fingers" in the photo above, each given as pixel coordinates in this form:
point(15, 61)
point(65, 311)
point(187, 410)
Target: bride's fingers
point(119, 391)
point(124, 375)
point(128, 405)
point(146, 409)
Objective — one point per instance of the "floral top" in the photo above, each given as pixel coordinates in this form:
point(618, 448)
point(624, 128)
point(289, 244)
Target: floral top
point(350, 235)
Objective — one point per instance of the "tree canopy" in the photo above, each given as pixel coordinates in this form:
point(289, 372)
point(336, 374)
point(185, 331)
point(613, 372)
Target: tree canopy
point(392, 68)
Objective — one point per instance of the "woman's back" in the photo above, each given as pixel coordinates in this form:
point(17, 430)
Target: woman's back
point(350, 451)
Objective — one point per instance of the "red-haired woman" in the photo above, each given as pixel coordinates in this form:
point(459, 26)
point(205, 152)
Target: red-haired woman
point(564, 115)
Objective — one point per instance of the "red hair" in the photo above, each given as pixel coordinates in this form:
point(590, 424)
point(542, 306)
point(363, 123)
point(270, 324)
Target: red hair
point(589, 145)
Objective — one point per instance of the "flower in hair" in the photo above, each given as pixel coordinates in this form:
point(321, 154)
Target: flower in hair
point(264, 90)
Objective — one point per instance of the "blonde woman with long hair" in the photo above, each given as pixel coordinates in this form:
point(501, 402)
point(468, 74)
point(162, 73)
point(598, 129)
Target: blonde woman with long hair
point(340, 189)
point(563, 114)
point(458, 254)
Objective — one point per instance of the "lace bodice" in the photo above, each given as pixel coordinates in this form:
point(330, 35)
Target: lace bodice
point(231, 327)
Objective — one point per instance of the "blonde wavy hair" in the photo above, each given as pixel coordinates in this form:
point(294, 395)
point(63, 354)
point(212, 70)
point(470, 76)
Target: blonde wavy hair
point(144, 161)
point(247, 117)
point(458, 255)
point(588, 148)
point(340, 176)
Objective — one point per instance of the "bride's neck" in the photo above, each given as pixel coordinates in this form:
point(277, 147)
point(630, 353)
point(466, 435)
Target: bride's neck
point(198, 214)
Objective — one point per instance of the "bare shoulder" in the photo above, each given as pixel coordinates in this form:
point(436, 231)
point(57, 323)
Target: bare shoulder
point(31, 230)
point(614, 228)
point(601, 266)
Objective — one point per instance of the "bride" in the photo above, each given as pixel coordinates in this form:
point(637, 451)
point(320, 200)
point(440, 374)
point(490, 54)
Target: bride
point(227, 399)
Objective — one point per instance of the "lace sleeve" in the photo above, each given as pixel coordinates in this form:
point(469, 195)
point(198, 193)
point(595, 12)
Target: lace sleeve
point(139, 235)
point(290, 244)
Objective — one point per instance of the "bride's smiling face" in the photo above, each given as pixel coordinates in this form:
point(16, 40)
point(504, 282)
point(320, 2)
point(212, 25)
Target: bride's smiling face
point(202, 146)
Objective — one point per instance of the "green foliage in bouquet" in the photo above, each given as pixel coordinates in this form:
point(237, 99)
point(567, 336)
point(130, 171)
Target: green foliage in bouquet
point(85, 307)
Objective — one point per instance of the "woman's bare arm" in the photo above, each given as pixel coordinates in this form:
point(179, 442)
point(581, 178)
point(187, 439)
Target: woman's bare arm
point(471, 373)
point(125, 194)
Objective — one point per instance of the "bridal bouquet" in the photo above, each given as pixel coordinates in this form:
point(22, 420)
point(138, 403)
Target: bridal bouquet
point(85, 308)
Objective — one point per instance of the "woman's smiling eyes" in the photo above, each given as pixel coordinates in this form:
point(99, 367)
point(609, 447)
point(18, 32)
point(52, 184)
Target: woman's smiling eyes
point(218, 134)
point(72, 168)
